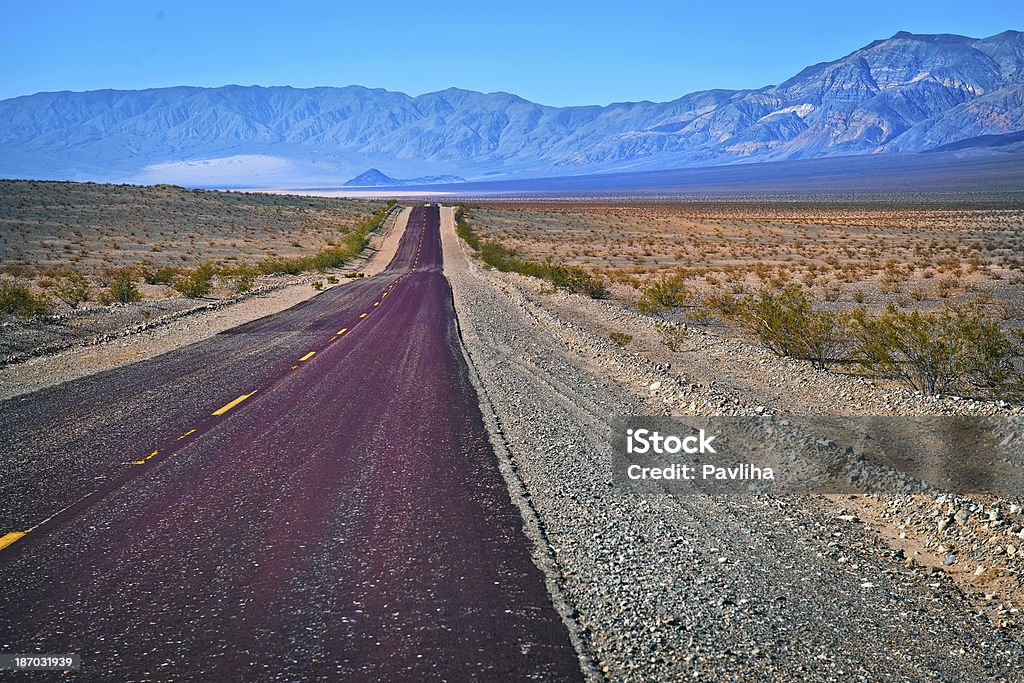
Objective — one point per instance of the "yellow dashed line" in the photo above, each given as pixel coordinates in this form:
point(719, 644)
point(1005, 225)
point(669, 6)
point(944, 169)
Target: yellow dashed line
point(308, 356)
point(362, 315)
point(294, 367)
point(10, 538)
point(376, 303)
point(343, 330)
point(191, 431)
point(232, 404)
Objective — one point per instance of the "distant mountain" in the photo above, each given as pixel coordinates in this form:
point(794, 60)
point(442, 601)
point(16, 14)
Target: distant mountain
point(374, 178)
point(908, 93)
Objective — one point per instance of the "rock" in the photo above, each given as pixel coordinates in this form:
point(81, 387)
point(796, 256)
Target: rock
point(949, 559)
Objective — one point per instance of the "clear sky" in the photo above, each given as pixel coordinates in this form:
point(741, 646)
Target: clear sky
point(552, 52)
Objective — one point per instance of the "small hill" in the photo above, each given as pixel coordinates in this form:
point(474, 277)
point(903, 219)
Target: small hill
point(375, 178)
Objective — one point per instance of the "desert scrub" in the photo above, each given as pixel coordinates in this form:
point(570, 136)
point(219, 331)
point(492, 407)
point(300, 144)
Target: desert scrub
point(243, 278)
point(197, 283)
point(620, 338)
point(570, 278)
point(673, 335)
point(73, 289)
point(354, 241)
point(17, 299)
point(787, 323)
point(463, 229)
point(949, 350)
point(666, 292)
point(122, 288)
point(158, 275)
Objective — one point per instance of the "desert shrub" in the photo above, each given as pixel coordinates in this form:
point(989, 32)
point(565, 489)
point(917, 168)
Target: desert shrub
point(570, 278)
point(317, 284)
point(73, 289)
point(354, 241)
point(666, 292)
point(243, 278)
point(574, 279)
point(463, 229)
point(787, 323)
point(332, 280)
point(934, 353)
point(122, 287)
point(673, 335)
point(158, 275)
point(19, 300)
point(620, 338)
point(197, 283)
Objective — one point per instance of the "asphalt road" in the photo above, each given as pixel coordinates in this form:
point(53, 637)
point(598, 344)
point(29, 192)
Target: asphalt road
point(308, 496)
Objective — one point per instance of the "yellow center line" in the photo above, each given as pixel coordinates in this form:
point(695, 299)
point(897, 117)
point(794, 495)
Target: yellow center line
point(10, 538)
point(362, 315)
point(225, 408)
point(191, 431)
point(376, 303)
point(294, 367)
point(343, 330)
point(308, 356)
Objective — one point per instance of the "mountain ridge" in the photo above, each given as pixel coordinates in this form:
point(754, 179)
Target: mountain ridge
point(906, 93)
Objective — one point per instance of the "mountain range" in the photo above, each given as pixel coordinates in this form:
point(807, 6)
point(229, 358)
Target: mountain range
point(907, 93)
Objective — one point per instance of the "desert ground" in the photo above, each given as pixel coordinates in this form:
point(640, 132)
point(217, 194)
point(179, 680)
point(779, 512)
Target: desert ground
point(916, 255)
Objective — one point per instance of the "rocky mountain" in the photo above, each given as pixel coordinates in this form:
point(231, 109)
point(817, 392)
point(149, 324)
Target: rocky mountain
point(374, 178)
point(907, 93)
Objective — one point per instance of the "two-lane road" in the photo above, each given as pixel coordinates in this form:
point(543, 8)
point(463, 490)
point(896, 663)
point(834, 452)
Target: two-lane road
point(310, 496)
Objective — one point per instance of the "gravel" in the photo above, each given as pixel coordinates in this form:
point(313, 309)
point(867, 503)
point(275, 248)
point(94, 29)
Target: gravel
point(657, 587)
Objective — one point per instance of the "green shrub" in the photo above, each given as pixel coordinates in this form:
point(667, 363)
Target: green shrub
point(158, 275)
point(673, 335)
point(620, 338)
point(73, 289)
point(788, 324)
point(197, 283)
point(667, 292)
point(463, 229)
point(122, 287)
point(934, 353)
point(317, 284)
point(16, 299)
point(570, 278)
point(354, 241)
point(243, 278)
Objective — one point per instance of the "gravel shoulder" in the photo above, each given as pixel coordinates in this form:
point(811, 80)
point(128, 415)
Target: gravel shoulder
point(121, 336)
point(660, 587)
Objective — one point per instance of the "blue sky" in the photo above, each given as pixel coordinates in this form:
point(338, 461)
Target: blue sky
point(552, 52)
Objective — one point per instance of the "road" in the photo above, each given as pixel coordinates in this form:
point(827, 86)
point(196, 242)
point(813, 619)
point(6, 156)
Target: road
point(308, 496)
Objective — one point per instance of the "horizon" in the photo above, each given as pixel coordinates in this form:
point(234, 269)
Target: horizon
point(129, 46)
